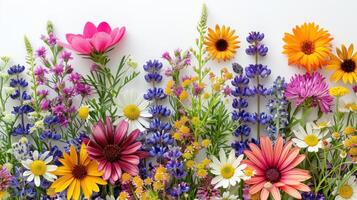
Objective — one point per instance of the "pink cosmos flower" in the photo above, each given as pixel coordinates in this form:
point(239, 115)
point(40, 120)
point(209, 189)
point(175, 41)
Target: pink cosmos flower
point(310, 88)
point(274, 167)
point(94, 39)
point(115, 150)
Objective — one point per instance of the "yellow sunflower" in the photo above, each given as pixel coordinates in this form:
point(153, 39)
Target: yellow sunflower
point(78, 173)
point(221, 43)
point(308, 46)
point(344, 65)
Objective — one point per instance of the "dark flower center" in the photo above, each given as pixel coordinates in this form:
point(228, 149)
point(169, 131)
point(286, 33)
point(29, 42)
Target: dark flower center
point(272, 175)
point(348, 65)
point(221, 45)
point(111, 152)
point(307, 47)
point(79, 172)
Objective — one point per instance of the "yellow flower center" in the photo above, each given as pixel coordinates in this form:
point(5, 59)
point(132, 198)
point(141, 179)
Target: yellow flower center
point(249, 172)
point(132, 111)
point(227, 171)
point(346, 191)
point(83, 112)
point(38, 167)
point(311, 140)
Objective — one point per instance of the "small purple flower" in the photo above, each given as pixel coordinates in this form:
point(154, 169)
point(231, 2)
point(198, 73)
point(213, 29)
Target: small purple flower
point(45, 104)
point(52, 40)
point(227, 91)
point(41, 52)
point(83, 89)
point(74, 77)
point(254, 37)
point(43, 93)
point(59, 109)
point(312, 196)
point(66, 56)
point(58, 70)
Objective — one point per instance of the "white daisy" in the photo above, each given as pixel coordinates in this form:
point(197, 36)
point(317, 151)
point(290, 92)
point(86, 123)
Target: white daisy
point(39, 167)
point(227, 196)
point(322, 125)
point(347, 191)
point(312, 139)
point(134, 109)
point(229, 171)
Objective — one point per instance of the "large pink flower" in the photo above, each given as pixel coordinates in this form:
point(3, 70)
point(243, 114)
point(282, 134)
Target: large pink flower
point(94, 39)
point(311, 88)
point(115, 150)
point(275, 170)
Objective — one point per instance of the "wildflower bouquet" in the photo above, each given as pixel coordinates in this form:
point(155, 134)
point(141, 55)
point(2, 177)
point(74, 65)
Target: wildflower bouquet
point(195, 133)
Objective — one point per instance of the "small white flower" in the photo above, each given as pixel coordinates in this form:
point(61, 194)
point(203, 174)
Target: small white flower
point(347, 190)
point(227, 196)
point(8, 117)
point(310, 139)
point(9, 90)
point(134, 109)
point(228, 171)
point(38, 167)
point(4, 75)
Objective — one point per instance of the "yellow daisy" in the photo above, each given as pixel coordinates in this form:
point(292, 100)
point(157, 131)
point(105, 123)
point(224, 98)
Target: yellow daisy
point(344, 65)
point(78, 173)
point(221, 43)
point(308, 46)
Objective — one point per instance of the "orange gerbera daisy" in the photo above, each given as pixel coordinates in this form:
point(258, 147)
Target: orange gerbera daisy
point(344, 65)
point(221, 43)
point(275, 170)
point(308, 46)
point(78, 172)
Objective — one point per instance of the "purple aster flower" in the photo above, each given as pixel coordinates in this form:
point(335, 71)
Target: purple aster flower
point(58, 70)
point(311, 89)
point(66, 56)
point(206, 190)
point(74, 77)
point(52, 40)
point(180, 59)
point(5, 179)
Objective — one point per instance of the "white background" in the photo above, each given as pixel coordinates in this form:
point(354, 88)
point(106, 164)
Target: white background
point(155, 26)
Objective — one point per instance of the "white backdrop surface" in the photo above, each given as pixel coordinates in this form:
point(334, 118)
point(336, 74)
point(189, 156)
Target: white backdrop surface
point(155, 26)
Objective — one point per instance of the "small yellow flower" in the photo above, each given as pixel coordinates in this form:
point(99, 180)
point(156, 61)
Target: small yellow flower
point(196, 121)
point(123, 196)
point(349, 130)
point(206, 95)
point(354, 139)
point(161, 174)
point(348, 143)
point(343, 154)
point(190, 148)
point(184, 119)
point(249, 172)
point(200, 166)
point(183, 96)
point(186, 83)
point(184, 129)
point(196, 145)
point(83, 112)
point(187, 155)
point(195, 78)
point(228, 75)
point(139, 191)
point(190, 163)
point(206, 161)
point(216, 87)
point(125, 177)
point(147, 181)
point(177, 136)
point(338, 91)
point(202, 173)
point(137, 181)
point(206, 142)
point(170, 84)
point(158, 186)
point(336, 135)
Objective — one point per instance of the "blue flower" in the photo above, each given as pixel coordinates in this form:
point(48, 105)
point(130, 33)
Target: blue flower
point(240, 103)
point(255, 37)
point(21, 129)
point(254, 70)
point(242, 130)
point(16, 69)
point(51, 120)
point(155, 94)
point(49, 135)
point(18, 83)
point(159, 111)
point(153, 67)
point(179, 189)
point(312, 196)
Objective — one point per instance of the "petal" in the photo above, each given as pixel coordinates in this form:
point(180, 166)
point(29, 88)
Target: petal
point(291, 191)
point(81, 45)
point(275, 193)
point(101, 41)
point(120, 131)
point(89, 30)
point(264, 194)
point(104, 27)
point(267, 149)
point(117, 35)
point(99, 135)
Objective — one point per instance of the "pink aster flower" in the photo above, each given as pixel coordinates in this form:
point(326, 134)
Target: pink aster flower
point(275, 169)
point(94, 39)
point(309, 88)
point(115, 150)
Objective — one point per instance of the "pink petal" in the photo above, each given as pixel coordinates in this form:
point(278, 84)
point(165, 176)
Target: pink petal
point(256, 188)
point(258, 153)
point(291, 191)
point(101, 41)
point(70, 36)
point(131, 148)
point(275, 193)
point(289, 159)
point(131, 138)
point(117, 168)
point(81, 45)
point(302, 187)
point(101, 165)
point(109, 127)
point(89, 30)
point(294, 163)
point(99, 135)
point(285, 152)
point(267, 149)
point(104, 27)
point(133, 159)
point(117, 35)
point(255, 180)
point(264, 194)
point(277, 150)
point(120, 131)
point(94, 151)
point(254, 159)
point(114, 176)
point(129, 168)
point(107, 171)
